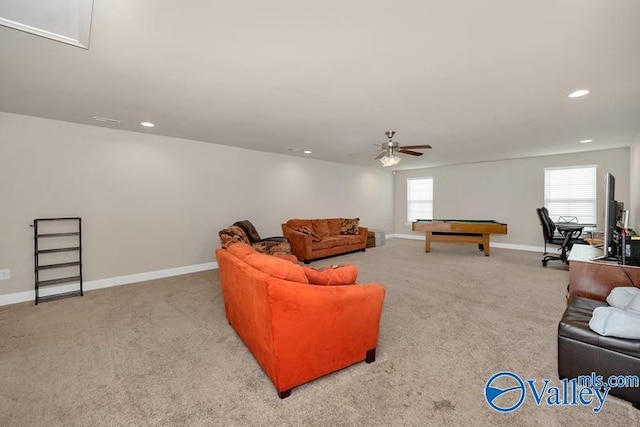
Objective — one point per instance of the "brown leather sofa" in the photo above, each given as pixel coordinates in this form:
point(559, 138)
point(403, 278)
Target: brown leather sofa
point(312, 239)
point(582, 351)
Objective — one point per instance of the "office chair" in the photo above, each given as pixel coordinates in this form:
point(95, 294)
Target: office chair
point(567, 236)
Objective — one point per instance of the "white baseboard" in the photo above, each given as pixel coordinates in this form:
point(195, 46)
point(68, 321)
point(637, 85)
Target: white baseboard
point(529, 248)
point(91, 285)
point(493, 244)
point(405, 236)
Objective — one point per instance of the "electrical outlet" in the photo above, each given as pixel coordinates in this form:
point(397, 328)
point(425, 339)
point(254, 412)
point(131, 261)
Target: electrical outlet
point(5, 274)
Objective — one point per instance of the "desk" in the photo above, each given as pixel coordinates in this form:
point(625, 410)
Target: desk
point(459, 231)
point(570, 233)
point(568, 226)
point(595, 279)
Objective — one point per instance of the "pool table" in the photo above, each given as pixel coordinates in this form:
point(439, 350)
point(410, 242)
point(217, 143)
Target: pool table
point(459, 231)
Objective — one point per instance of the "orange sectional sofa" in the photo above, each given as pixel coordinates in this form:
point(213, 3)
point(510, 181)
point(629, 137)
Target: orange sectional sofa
point(298, 331)
point(320, 238)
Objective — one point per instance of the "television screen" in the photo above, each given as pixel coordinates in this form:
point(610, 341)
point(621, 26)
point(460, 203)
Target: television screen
point(610, 214)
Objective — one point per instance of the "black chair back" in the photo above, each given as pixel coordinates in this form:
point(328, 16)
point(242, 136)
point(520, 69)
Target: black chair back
point(548, 226)
point(566, 238)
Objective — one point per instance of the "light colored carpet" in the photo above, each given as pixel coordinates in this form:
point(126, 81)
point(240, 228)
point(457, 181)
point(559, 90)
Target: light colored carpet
point(162, 353)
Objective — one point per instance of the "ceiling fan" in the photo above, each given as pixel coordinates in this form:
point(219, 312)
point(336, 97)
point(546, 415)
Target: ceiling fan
point(389, 149)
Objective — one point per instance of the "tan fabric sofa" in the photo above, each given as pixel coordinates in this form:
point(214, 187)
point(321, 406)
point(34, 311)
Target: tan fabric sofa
point(312, 239)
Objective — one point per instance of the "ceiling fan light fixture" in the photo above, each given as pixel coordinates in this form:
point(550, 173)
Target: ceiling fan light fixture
point(389, 149)
point(390, 160)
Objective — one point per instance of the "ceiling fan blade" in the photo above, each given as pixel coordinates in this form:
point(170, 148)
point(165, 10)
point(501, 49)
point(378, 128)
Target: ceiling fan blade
point(412, 153)
point(416, 146)
point(381, 155)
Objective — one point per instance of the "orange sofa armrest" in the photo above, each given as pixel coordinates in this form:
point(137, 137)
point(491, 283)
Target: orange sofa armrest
point(320, 329)
point(300, 242)
point(363, 231)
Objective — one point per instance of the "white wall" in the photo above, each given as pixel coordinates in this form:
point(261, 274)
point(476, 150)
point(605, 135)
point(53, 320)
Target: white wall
point(150, 203)
point(634, 205)
point(507, 191)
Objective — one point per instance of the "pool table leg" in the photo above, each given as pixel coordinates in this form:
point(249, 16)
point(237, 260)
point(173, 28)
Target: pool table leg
point(427, 241)
point(485, 243)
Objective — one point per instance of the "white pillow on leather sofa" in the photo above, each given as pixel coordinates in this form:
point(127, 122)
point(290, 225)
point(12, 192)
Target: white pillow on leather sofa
point(625, 298)
point(614, 322)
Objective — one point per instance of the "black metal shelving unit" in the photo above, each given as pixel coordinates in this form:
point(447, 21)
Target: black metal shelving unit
point(57, 246)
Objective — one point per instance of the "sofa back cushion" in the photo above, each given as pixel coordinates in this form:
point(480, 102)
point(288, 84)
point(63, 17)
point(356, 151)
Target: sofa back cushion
point(297, 223)
point(277, 267)
point(335, 225)
point(241, 250)
point(309, 231)
point(232, 234)
point(321, 227)
point(333, 275)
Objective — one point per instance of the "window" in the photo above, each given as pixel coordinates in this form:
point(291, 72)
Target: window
point(571, 192)
point(419, 198)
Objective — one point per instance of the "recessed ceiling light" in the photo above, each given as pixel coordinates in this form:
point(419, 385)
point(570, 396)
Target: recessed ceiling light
point(147, 124)
point(106, 120)
point(578, 93)
point(307, 151)
point(586, 141)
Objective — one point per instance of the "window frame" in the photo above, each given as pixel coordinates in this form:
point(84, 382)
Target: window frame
point(592, 199)
point(412, 201)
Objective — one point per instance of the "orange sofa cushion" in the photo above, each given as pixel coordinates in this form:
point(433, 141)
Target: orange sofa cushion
point(336, 241)
point(241, 250)
point(334, 275)
point(277, 267)
point(307, 230)
point(335, 225)
point(321, 227)
point(296, 223)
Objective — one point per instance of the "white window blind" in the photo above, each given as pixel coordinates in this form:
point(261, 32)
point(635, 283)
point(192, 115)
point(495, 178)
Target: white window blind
point(571, 192)
point(419, 198)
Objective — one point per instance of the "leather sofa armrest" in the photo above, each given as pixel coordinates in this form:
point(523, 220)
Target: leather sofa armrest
point(363, 231)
